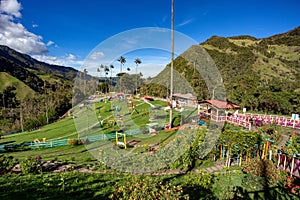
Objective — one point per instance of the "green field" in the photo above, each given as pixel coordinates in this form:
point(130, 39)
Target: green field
point(95, 119)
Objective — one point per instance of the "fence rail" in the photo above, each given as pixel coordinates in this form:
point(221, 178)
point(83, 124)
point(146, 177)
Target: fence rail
point(246, 120)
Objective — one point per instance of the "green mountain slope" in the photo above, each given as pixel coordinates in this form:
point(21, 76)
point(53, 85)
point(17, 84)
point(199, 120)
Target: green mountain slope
point(32, 93)
point(21, 88)
point(259, 74)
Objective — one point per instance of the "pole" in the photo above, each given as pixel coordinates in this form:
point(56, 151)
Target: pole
point(172, 63)
point(292, 167)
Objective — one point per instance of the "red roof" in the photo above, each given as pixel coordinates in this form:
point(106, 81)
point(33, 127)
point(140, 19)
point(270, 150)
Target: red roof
point(222, 104)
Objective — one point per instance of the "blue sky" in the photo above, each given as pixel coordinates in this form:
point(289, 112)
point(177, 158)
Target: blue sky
point(66, 31)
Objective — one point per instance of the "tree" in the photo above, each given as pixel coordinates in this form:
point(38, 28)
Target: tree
point(84, 78)
point(106, 70)
point(137, 62)
point(111, 69)
point(122, 61)
point(103, 87)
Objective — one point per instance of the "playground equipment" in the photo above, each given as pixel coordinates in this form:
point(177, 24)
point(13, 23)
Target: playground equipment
point(118, 143)
point(118, 108)
point(111, 122)
point(202, 123)
point(120, 122)
point(36, 140)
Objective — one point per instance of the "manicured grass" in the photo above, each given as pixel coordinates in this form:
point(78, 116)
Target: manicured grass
point(77, 154)
point(61, 129)
point(87, 122)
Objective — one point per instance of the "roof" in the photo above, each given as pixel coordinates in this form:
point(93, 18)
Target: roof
point(184, 96)
point(222, 104)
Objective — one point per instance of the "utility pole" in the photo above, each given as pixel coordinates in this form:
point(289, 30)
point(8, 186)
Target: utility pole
point(172, 60)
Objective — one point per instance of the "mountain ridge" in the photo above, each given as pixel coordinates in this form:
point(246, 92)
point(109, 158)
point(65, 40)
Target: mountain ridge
point(261, 75)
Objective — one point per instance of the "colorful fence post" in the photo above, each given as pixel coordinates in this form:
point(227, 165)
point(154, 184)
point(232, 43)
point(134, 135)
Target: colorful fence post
point(293, 162)
point(279, 156)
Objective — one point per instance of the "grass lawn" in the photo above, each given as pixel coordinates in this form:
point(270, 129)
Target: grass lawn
point(87, 122)
point(60, 129)
point(77, 154)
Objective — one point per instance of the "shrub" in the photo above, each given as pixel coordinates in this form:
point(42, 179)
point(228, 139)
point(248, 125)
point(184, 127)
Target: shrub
point(31, 165)
point(88, 159)
point(176, 121)
point(6, 163)
point(202, 179)
point(263, 168)
point(147, 188)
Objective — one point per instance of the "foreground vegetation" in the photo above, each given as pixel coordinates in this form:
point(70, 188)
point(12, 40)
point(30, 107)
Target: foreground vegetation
point(76, 185)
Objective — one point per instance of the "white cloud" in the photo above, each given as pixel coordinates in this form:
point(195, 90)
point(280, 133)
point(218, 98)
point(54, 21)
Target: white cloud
point(14, 34)
point(71, 57)
point(10, 7)
point(96, 55)
point(49, 43)
point(44, 58)
point(34, 25)
point(67, 61)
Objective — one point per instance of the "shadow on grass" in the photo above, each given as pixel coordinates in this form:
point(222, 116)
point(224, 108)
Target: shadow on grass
point(8, 142)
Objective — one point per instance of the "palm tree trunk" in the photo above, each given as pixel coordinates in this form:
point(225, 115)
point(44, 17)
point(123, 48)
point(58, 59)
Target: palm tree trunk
point(136, 80)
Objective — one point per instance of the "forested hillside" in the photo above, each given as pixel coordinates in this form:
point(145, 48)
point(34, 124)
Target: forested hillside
point(32, 93)
point(259, 74)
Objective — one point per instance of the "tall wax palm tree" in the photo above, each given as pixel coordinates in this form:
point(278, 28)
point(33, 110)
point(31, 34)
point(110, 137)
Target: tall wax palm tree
point(137, 62)
point(85, 72)
point(122, 61)
point(111, 69)
point(100, 69)
point(111, 79)
point(106, 70)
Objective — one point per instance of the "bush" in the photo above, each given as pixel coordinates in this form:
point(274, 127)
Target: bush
point(176, 121)
point(263, 168)
point(147, 188)
point(31, 165)
point(202, 179)
point(6, 163)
